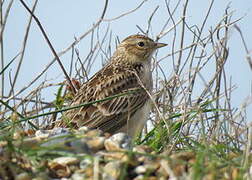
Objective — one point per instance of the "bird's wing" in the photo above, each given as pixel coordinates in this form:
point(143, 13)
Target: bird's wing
point(111, 114)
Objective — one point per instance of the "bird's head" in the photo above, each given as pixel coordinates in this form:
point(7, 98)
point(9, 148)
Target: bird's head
point(138, 48)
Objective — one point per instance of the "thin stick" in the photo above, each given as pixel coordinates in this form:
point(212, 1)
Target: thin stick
point(66, 50)
point(23, 49)
point(245, 46)
point(50, 45)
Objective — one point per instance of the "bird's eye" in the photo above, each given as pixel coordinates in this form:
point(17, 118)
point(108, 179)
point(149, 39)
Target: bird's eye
point(141, 44)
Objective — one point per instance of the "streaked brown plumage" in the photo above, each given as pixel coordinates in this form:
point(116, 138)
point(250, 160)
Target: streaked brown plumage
point(127, 70)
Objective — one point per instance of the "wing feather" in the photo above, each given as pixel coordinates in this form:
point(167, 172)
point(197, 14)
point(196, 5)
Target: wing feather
point(112, 114)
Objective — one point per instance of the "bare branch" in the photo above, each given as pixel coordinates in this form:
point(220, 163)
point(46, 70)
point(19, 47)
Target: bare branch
point(50, 45)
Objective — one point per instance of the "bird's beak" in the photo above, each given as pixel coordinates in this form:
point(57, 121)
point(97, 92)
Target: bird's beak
point(159, 45)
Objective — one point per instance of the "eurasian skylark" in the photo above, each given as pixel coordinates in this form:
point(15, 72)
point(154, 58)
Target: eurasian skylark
point(129, 70)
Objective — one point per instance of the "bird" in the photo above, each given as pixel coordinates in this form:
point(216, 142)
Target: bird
point(128, 72)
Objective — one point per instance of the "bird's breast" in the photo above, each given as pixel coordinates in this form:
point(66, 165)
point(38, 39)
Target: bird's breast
point(146, 76)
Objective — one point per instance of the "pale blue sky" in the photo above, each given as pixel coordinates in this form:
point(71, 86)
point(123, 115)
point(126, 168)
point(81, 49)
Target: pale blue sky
point(63, 20)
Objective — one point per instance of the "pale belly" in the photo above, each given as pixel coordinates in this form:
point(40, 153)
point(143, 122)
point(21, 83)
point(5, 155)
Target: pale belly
point(136, 123)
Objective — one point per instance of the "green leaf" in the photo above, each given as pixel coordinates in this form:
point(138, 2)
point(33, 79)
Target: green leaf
point(9, 64)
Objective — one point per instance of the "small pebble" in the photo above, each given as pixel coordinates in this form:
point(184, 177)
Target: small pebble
point(118, 142)
point(23, 176)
